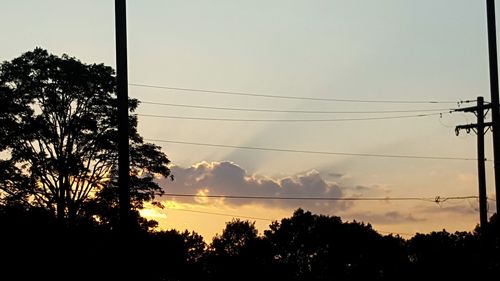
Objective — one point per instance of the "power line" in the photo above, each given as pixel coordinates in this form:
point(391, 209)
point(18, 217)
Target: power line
point(290, 120)
point(221, 214)
point(314, 152)
point(264, 219)
point(206, 91)
point(437, 199)
point(293, 111)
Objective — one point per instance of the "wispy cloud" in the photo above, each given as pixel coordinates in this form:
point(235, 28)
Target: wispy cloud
point(392, 217)
point(467, 207)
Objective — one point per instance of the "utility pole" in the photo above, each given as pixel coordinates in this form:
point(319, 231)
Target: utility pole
point(495, 114)
point(123, 128)
point(479, 129)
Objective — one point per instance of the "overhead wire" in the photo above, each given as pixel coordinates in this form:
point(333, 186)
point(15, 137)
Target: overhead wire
point(312, 151)
point(292, 111)
point(220, 214)
point(437, 199)
point(289, 120)
point(251, 94)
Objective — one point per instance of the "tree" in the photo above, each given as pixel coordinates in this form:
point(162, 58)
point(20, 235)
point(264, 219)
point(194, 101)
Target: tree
point(234, 238)
point(60, 127)
point(445, 255)
point(239, 253)
point(12, 107)
point(10, 182)
point(168, 255)
point(319, 247)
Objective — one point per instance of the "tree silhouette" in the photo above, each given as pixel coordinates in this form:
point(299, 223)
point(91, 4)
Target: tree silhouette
point(169, 255)
point(318, 247)
point(445, 255)
point(234, 238)
point(11, 179)
point(13, 184)
point(239, 253)
point(60, 127)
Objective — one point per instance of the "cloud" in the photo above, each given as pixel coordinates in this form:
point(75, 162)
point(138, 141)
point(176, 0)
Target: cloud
point(335, 175)
point(374, 190)
point(392, 217)
point(465, 208)
point(227, 178)
point(152, 213)
point(362, 188)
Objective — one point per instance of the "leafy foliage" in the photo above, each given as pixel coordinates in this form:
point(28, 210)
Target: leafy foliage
point(234, 238)
point(60, 124)
point(318, 247)
point(445, 255)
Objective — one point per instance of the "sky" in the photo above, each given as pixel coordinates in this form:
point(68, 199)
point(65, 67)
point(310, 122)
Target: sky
point(384, 50)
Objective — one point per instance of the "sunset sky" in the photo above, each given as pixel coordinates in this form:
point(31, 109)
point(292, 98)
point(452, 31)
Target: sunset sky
point(384, 50)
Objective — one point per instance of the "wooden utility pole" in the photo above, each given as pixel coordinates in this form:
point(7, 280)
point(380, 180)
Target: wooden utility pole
point(495, 114)
point(123, 127)
point(483, 204)
point(479, 128)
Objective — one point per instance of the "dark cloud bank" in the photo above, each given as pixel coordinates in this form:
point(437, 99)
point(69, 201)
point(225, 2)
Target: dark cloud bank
point(227, 178)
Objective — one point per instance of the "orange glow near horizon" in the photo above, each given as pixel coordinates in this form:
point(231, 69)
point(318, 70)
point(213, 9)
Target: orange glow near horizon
point(209, 219)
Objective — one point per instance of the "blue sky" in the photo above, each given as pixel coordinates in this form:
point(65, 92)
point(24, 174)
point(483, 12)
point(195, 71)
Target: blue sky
point(367, 50)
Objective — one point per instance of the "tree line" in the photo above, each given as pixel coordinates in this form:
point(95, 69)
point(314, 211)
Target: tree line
point(304, 246)
point(59, 203)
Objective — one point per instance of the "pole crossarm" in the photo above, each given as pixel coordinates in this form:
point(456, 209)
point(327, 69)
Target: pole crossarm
point(473, 127)
point(472, 109)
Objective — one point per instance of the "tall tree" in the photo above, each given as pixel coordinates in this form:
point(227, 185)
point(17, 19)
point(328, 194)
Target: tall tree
point(240, 254)
point(60, 127)
point(234, 238)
